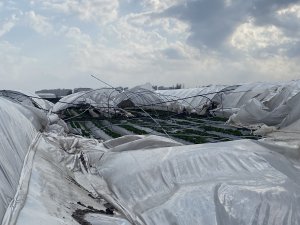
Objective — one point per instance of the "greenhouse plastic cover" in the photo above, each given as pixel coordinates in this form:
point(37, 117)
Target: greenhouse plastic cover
point(27, 99)
point(151, 179)
point(142, 96)
point(241, 182)
point(99, 98)
point(263, 104)
point(246, 104)
point(109, 98)
point(195, 100)
point(18, 127)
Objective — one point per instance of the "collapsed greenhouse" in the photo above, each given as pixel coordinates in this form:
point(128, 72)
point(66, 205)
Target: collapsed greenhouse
point(211, 155)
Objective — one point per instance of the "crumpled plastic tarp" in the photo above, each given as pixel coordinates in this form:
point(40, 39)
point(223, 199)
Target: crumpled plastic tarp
point(26, 99)
point(255, 112)
point(293, 116)
point(102, 99)
point(246, 104)
point(142, 96)
point(54, 196)
point(289, 128)
point(260, 103)
point(196, 100)
point(154, 180)
point(37, 171)
point(242, 94)
point(233, 183)
point(58, 185)
point(192, 100)
point(18, 127)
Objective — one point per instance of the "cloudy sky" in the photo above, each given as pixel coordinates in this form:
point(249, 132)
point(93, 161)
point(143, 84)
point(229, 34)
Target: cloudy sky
point(60, 43)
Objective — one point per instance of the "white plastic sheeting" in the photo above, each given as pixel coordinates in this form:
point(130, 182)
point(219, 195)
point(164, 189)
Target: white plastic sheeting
point(248, 104)
point(192, 100)
point(265, 103)
point(107, 100)
point(242, 94)
point(136, 142)
point(142, 96)
point(18, 128)
point(102, 99)
point(58, 181)
point(289, 128)
point(232, 183)
point(43, 190)
point(293, 116)
point(27, 99)
point(154, 180)
point(196, 100)
point(53, 196)
point(97, 219)
point(150, 179)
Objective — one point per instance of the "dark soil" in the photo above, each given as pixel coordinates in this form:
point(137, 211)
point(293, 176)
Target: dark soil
point(79, 214)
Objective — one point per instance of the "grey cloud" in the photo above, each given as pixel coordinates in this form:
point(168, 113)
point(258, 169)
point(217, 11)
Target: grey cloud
point(294, 50)
point(130, 6)
point(213, 21)
point(173, 53)
point(263, 11)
